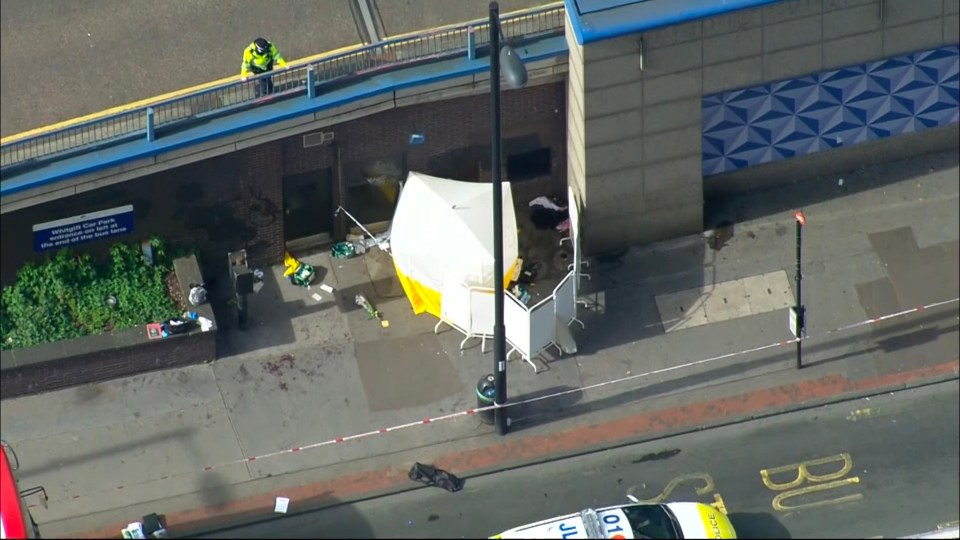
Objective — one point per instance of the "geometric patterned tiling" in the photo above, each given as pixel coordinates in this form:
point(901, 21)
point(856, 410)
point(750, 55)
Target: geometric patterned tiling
point(846, 106)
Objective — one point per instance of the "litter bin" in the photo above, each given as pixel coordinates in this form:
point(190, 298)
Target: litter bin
point(485, 397)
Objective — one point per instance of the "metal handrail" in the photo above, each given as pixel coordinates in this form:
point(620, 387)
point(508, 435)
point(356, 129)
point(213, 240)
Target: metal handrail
point(160, 118)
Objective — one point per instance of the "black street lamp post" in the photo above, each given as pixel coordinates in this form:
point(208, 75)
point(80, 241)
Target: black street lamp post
point(515, 75)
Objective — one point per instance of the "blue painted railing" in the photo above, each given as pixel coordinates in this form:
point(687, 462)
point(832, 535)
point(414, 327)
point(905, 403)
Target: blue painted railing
point(151, 122)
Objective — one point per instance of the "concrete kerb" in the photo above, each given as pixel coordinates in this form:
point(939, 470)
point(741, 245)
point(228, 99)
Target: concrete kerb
point(370, 484)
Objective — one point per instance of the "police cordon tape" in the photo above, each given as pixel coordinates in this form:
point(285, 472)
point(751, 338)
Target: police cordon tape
point(470, 412)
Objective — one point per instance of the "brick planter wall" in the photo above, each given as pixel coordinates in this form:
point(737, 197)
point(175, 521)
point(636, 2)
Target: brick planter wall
point(108, 356)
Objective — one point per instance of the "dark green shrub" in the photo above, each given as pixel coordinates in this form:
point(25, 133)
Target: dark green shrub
point(66, 297)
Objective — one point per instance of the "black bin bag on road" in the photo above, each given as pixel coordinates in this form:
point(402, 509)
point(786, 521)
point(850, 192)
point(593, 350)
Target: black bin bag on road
point(433, 476)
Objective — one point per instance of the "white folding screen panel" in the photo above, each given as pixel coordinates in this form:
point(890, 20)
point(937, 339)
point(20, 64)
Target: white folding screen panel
point(565, 298)
point(543, 325)
point(573, 206)
point(482, 312)
point(516, 319)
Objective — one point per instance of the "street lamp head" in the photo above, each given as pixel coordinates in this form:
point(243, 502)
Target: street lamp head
point(512, 68)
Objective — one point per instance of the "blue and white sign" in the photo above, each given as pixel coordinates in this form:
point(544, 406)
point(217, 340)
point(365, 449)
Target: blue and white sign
point(82, 229)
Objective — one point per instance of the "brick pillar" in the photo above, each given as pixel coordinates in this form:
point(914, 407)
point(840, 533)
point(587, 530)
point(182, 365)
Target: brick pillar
point(260, 174)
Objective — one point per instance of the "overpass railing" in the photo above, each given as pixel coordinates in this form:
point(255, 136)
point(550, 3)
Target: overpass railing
point(156, 119)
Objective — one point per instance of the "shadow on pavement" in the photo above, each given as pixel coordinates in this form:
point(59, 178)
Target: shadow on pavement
point(621, 293)
point(730, 206)
point(214, 490)
point(322, 516)
point(619, 301)
point(119, 451)
point(546, 406)
point(553, 409)
point(757, 525)
point(887, 338)
point(269, 318)
point(347, 296)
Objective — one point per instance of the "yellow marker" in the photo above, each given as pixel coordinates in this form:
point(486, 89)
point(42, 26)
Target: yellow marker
point(861, 414)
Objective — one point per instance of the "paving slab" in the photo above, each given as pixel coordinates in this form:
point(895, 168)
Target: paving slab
point(725, 300)
point(405, 372)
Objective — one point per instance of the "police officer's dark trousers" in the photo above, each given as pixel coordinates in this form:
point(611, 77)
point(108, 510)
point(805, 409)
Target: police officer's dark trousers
point(265, 88)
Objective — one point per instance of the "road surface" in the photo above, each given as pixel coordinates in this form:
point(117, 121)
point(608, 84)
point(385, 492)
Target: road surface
point(884, 466)
point(65, 59)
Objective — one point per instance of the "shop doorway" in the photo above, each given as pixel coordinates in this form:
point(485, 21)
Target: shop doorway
point(308, 205)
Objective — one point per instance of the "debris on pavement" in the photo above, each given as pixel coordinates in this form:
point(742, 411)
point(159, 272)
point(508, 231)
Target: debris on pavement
point(362, 301)
point(297, 271)
point(283, 503)
point(343, 250)
point(432, 476)
point(205, 324)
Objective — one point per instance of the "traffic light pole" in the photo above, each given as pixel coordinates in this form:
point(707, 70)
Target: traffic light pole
point(800, 329)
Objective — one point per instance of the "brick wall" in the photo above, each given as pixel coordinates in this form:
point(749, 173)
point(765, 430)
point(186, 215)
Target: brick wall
point(457, 140)
point(195, 205)
point(236, 200)
point(73, 362)
point(447, 126)
point(260, 181)
point(105, 364)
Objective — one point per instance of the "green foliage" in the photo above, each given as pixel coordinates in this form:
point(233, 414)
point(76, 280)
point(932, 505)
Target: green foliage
point(66, 297)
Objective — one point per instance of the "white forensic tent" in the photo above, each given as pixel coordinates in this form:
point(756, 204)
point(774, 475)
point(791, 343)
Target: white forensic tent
point(441, 238)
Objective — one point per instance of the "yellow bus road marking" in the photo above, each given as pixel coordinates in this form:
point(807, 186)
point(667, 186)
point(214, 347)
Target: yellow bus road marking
point(719, 504)
point(815, 483)
point(703, 485)
point(707, 487)
point(779, 499)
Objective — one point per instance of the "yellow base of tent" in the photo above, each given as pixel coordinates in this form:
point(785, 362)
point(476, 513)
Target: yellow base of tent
point(424, 299)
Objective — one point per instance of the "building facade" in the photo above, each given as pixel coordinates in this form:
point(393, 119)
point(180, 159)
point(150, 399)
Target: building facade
point(661, 113)
point(658, 104)
point(287, 190)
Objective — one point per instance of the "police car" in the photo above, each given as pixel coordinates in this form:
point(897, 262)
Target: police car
point(640, 520)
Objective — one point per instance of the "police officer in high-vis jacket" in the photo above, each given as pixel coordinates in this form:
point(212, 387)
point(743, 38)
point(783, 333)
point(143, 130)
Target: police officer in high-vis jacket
point(260, 57)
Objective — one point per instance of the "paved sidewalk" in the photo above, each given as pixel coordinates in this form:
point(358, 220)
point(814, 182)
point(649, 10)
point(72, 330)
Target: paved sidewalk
point(309, 371)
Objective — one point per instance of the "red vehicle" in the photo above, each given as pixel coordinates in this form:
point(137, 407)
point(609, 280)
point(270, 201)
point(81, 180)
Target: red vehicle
point(15, 519)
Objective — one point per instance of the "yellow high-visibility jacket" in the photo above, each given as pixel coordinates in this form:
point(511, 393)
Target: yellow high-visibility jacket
point(257, 63)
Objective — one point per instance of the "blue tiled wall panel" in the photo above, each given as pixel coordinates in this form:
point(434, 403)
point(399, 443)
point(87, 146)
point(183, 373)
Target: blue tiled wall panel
point(747, 127)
